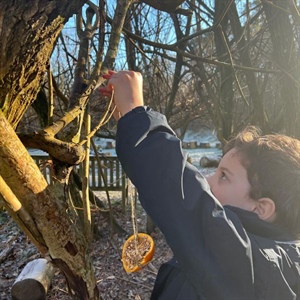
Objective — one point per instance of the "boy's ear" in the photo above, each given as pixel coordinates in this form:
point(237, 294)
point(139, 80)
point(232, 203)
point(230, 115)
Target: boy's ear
point(265, 209)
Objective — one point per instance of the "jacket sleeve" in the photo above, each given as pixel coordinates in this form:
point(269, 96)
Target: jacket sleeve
point(207, 240)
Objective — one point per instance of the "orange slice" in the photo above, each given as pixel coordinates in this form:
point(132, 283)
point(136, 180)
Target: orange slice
point(137, 253)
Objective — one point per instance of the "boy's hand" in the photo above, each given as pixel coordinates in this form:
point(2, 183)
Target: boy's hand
point(128, 90)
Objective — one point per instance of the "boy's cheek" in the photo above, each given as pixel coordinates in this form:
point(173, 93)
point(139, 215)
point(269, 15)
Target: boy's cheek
point(209, 180)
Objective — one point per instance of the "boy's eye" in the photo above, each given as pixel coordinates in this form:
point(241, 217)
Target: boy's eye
point(222, 176)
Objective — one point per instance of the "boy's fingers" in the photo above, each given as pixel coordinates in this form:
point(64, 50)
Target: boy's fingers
point(106, 76)
point(106, 94)
point(109, 74)
point(104, 91)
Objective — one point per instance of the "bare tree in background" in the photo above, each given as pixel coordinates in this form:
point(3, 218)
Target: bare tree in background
point(283, 21)
point(241, 60)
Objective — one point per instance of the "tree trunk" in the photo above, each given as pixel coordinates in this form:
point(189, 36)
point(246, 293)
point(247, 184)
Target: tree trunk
point(65, 244)
point(259, 113)
point(226, 73)
point(285, 56)
point(27, 32)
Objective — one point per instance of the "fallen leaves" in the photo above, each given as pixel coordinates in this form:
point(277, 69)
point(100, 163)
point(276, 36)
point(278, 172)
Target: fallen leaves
point(113, 282)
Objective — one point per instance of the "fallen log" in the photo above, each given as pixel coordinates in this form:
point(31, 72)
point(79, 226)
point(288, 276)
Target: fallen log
point(34, 281)
point(209, 162)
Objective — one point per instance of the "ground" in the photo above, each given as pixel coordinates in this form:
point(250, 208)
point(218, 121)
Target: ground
point(113, 282)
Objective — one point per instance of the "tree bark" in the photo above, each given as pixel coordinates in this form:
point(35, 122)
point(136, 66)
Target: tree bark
point(28, 32)
point(65, 244)
point(226, 73)
point(259, 117)
point(285, 57)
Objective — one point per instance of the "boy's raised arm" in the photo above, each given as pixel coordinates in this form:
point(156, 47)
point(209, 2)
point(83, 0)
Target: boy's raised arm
point(204, 239)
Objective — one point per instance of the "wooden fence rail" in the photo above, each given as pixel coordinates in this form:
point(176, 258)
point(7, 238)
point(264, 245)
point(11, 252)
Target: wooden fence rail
point(109, 177)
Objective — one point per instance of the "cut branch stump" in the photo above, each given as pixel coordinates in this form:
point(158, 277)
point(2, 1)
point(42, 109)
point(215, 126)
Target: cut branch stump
point(209, 162)
point(34, 281)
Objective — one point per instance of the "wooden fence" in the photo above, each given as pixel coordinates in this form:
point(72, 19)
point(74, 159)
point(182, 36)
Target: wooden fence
point(109, 177)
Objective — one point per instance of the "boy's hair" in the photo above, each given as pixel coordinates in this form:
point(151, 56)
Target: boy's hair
point(273, 168)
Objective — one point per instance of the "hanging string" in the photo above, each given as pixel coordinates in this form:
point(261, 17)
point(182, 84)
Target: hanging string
point(134, 222)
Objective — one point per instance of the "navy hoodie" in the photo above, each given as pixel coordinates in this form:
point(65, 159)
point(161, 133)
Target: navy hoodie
point(219, 252)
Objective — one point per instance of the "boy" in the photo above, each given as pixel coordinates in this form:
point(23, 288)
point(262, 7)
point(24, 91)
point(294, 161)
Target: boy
point(233, 236)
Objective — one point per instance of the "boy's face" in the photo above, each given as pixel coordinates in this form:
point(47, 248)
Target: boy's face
point(230, 183)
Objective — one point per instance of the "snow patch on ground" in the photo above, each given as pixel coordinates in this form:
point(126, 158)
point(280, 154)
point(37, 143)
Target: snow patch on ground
point(203, 135)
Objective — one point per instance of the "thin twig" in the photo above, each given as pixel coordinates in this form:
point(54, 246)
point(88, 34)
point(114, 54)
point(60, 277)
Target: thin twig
point(102, 122)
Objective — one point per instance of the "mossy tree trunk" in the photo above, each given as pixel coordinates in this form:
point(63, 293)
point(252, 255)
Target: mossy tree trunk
point(28, 31)
point(53, 231)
